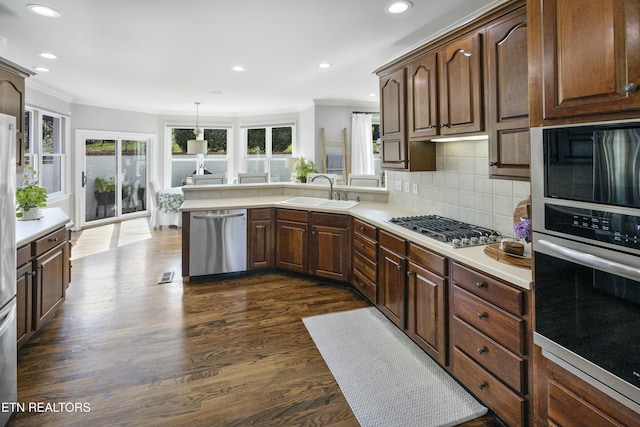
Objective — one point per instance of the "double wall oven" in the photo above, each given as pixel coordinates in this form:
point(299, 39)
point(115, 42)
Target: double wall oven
point(586, 222)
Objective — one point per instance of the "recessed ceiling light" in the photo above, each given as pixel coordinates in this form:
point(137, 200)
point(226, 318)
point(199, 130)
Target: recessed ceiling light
point(49, 55)
point(238, 68)
point(43, 10)
point(399, 6)
point(324, 65)
point(42, 69)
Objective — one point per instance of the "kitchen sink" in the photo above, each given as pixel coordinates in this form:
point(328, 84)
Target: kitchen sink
point(320, 202)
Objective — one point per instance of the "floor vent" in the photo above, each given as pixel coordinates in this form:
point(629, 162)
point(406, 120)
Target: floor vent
point(166, 277)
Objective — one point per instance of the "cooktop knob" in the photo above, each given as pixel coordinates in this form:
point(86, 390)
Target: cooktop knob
point(456, 242)
point(465, 240)
point(474, 240)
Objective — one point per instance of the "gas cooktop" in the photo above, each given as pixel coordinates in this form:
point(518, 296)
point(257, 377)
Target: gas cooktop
point(450, 231)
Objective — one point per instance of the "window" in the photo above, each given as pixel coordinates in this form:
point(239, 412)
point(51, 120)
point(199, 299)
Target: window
point(45, 149)
point(183, 164)
point(268, 149)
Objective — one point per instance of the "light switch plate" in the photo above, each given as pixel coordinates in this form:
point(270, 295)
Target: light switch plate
point(407, 187)
point(398, 185)
point(414, 188)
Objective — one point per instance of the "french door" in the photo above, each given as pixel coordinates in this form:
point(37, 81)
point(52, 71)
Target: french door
point(113, 176)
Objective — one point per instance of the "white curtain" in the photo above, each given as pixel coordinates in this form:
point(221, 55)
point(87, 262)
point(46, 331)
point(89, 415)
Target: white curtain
point(361, 144)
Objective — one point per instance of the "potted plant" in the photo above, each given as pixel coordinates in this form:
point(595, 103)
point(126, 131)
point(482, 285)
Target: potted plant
point(303, 167)
point(30, 197)
point(105, 192)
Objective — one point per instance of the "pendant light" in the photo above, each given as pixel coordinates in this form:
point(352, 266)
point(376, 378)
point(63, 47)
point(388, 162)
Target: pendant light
point(198, 146)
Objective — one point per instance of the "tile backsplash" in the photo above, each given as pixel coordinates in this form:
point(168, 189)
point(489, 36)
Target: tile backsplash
point(460, 188)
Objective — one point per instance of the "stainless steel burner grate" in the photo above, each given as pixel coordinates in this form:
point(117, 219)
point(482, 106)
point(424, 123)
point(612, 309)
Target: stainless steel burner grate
point(450, 231)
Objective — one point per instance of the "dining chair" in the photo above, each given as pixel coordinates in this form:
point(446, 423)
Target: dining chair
point(362, 180)
point(252, 178)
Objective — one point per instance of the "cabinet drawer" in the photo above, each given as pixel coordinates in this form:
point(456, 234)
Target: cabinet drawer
point(393, 243)
point(503, 327)
point(505, 365)
point(427, 259)
point(49, 241)
point(330, 220)
point(365, 229)
point(365, 286)
point(365, 266)
point(502, 295)
point(259, 214)
point(293, 215)
point(492, 392)
point(23, 255)
point(366, 247)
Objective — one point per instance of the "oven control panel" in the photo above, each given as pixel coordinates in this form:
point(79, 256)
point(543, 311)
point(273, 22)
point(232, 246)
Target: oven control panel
point(614, 228)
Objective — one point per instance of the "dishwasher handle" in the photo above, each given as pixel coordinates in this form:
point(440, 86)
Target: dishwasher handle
point(211, 216)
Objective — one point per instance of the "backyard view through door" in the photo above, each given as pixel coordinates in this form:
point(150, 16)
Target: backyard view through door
point(114, 179)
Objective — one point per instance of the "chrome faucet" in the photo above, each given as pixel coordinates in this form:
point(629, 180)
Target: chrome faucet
point(330, 184)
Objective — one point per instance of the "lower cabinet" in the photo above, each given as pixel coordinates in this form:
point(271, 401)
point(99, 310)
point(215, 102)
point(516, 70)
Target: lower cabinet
point(261, 237)
point(43, 276)
point(330, 246)
point(563, 399)
point(427, 301)
point(365, 260)
point(490, 337)
point(291, 241)
point(392, 281)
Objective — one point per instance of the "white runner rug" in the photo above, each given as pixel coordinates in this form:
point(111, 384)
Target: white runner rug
point(386, 378)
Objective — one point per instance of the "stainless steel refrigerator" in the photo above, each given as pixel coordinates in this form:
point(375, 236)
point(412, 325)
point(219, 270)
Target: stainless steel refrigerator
point(8, 350)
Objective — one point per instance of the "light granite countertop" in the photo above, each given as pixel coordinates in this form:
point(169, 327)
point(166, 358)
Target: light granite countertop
point(28, 231)
point(378, 214)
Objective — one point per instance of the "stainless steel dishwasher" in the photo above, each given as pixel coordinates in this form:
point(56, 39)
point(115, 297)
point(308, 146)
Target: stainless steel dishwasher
point(217, 242)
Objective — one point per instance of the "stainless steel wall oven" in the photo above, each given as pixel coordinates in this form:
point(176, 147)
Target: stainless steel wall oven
point(586, 240)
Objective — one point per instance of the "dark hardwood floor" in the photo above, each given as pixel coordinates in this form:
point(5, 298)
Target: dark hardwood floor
point(131, 351)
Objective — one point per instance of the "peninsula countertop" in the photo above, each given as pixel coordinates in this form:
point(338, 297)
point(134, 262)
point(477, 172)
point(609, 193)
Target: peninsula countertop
point(52, 219)
point(379, 214)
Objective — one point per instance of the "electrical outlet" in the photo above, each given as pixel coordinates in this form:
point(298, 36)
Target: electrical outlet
point(398, 185)
point(407, 187)
point(414, 188)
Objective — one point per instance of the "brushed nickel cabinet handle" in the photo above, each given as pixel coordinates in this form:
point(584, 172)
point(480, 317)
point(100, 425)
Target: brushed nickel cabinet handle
point(481, 285)
point(482, 315)
point(482, 385)
point(630, 87)
point(481, 350)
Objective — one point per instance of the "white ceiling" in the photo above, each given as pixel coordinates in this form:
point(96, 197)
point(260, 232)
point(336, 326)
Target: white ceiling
point(161, 56)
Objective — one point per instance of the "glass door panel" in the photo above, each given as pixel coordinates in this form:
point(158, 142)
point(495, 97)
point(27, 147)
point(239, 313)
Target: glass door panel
point(101, 176)
point(134, 175)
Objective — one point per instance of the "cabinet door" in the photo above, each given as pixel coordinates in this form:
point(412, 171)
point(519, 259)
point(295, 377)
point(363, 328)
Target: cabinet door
point(461, 87)
point(260, 248)
point(508, 97)
point(426, 311)
point(12, 103)
point(392, 119)
point(24, 282)
point(330, 252)
point(590, 56)
point(291, 248)
point(391, 286)
point(50, 283)
point(422, 103)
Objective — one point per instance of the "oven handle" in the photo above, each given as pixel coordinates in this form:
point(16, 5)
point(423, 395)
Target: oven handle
point(594, 261)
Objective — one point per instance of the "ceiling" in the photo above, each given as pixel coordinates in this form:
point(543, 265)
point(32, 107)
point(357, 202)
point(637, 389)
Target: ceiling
point(160, 56)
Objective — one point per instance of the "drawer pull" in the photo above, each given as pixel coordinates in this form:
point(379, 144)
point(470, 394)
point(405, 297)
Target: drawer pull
point(362, 245)
point(481, 350)
point(481, 285)
point(361, 228)
point(362, 284)
point(399, 267)
point(482, 385)
point(55, 239)
point(482, 315)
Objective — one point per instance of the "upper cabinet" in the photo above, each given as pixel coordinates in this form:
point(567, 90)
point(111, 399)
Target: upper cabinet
point(12, 97)
point(584, 60)
point(507, 97)
point(422, 108)
point(461, 103)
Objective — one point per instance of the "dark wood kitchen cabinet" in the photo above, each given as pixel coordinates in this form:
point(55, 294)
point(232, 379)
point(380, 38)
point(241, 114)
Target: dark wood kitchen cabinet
point(427, 301)
point(261, 238)
point(330, 246)
point(422, 103)
point(12, 100)
point(584, 60)
point(392, 292)
point(365, 259)
point(292, 240)
point(490, 333)
point(508, 97)
point(397, 151)
point(43, 277)
point(563, 399)
point(461, 89)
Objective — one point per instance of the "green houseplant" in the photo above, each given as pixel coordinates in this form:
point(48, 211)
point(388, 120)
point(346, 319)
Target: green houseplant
point(30, 197)
point(303, 167)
